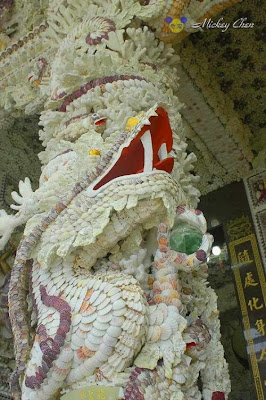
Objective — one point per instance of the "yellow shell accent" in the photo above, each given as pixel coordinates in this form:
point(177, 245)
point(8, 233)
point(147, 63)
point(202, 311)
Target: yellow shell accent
point(94, 152)
point(131, 122)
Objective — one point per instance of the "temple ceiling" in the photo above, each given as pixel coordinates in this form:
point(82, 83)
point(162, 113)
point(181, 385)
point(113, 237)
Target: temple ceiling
point(224, 72)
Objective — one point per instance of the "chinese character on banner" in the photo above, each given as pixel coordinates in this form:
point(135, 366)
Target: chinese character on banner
point(243, 257)
point(253, 303)
point(260, 326)
point(249, 280)
point(83, 395)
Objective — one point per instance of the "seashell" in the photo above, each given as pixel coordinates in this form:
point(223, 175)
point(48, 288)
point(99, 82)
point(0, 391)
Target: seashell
point(77, 341)
point(76, 318)
point(90, 310)
point(107, 370)
point(106, 287)
point(104, 303)
point(159, 317)
point(66, 355)
point(104, 318)
point(119, 304)
point(134, 329)
point(113, 291)
point(116, 297)
point(109, 340)
point(94, 339)
point(120, 312)
point(153, 317)
point(85, 327)
point(90, 318)
point(166, 332)
point(117, 321)
point(105, 349)
point(97, 284)
point(94, 296)
point(154, 333)
point(101, 357)
point(97, 332)
point(100, 326)
point(90, 345)
point(114, 331)
point(105, 310)
point(80, 333)
point(114, 357)
point(76, 305)
point(99, 300)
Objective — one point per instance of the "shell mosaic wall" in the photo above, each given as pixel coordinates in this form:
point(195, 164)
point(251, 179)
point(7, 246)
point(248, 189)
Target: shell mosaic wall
point(109, 284)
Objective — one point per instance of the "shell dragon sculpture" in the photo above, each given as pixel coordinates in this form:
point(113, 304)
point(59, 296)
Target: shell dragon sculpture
point(109, 285)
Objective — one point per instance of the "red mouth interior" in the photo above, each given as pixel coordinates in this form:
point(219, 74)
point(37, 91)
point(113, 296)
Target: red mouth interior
point(131, 160)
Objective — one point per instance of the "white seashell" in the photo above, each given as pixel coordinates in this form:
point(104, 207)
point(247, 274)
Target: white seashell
point(114, 357)
point(104, 303)
point(105, 349)
point(101, 357)
point(117, 321)
point(90, 310)
point(97, 332)
point(76, 318)
point(120, 312)
point(62, 365)
point(91, 346)
point(77, 341)
point(159, 317)
point(90, 318)
point(66, 355)
point(105, 310)
point(94, 296)
point(100, 299)
point(107, 370)
point(166, 332)
point(114, 291)
point(119, 304)
point(81, 334)
point(100, 326)
point(97, 284)
point(114, 331)
point(104, 318)
point(116, 297)
point(76, 306)
point(94, 339)
point(85, 327)
point(109, 340)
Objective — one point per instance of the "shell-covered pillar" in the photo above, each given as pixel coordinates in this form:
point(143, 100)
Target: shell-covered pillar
point(114, 250)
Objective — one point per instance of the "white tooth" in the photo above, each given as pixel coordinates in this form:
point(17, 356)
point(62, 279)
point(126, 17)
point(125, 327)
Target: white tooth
point(162, 153)
point(148, 151)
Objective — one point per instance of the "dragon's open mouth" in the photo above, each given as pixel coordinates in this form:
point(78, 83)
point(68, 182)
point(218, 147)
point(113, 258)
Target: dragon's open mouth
point(146, 153)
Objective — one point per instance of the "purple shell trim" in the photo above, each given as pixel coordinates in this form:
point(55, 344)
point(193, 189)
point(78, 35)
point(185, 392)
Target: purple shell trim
point(132, 391)
point(50, 347)
point(110, 28)
point(93, 84)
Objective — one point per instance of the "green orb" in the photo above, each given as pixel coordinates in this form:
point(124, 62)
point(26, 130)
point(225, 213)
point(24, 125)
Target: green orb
point(185, 238)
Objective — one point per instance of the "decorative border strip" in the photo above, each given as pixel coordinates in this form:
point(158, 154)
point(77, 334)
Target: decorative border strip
point(253, 267)
point(257, 209)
